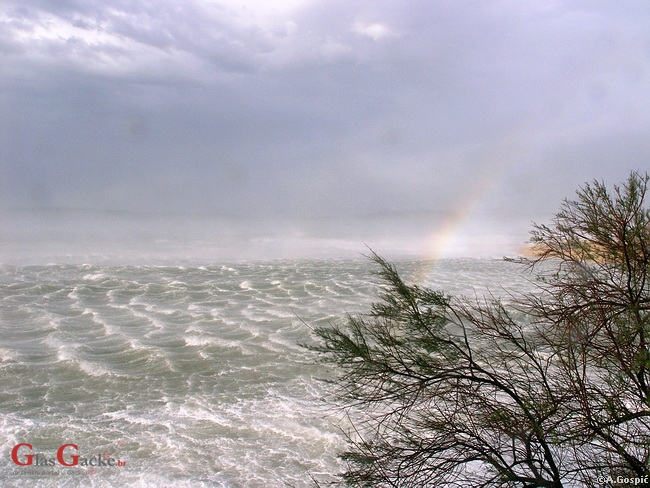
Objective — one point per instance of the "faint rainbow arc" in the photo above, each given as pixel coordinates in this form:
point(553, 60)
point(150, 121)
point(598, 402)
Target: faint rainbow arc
point(503, 156)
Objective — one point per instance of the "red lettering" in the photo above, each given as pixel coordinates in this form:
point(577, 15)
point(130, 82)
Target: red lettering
point(59, 455)
point(14, 455)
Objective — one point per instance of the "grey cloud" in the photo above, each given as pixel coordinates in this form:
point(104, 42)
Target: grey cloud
point(193, 108)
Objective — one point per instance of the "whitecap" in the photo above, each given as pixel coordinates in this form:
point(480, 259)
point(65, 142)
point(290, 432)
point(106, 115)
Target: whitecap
point(94, 277)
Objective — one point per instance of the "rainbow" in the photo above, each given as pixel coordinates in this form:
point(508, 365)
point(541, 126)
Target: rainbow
point(494, 166)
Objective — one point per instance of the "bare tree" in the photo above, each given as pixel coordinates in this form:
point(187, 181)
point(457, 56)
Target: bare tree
point(551, 391)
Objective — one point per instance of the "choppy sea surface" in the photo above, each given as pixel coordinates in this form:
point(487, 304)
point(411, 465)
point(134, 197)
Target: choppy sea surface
point(185, 376)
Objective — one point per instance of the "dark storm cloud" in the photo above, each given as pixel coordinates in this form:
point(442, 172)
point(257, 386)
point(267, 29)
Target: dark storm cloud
point(321, 108)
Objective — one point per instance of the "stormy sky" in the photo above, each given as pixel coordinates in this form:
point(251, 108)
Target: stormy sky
point(435, 127)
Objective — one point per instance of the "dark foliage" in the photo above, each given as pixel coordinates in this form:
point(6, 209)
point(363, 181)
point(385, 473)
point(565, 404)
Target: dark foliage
point(551, 391)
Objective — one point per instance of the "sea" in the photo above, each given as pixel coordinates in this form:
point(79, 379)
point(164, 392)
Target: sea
point(189, 375)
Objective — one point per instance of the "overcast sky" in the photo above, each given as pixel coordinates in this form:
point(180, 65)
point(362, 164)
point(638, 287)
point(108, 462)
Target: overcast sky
point(433, 113)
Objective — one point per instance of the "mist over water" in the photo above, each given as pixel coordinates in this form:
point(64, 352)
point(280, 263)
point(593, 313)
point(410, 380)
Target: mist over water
point(172, 343)
point(150, 343)
point(41, 236)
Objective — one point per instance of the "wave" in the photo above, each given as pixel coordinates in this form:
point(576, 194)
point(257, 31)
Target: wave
point(194, 370)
